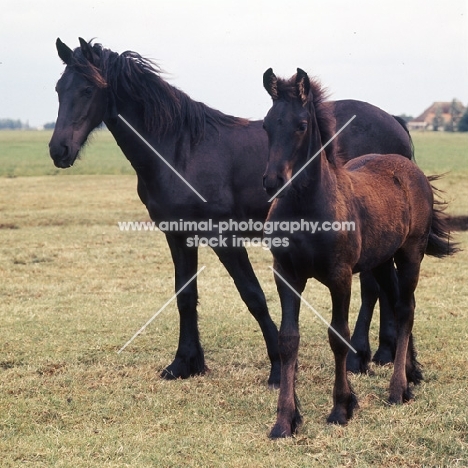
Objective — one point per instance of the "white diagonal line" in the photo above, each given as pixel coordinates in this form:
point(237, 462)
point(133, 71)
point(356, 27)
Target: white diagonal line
point(160, 157)
point(313, 310)
point(160, 310)
point(312, 158)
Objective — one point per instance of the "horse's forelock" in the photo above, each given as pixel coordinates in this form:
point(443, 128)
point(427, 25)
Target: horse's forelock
point(92, 72)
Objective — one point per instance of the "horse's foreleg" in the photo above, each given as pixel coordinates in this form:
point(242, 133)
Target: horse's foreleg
point(288, 417)
point(189, 359)
point(236, 262)
point(344, 400)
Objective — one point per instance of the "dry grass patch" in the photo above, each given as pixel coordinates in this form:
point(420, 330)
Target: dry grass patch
point(74, 289)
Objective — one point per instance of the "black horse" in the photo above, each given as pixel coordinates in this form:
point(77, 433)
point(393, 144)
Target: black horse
point(391, 204)
point(223, 157)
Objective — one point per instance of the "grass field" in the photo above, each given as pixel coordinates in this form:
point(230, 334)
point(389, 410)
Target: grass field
point(74, 289)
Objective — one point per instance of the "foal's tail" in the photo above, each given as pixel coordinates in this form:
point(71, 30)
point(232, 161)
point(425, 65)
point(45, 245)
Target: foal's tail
point(440, 244)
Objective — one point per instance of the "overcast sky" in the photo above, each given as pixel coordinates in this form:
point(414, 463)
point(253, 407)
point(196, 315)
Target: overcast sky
point(400, 55)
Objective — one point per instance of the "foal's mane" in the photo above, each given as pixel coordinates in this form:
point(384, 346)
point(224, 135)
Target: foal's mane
point(317, 101)
point(166, 109)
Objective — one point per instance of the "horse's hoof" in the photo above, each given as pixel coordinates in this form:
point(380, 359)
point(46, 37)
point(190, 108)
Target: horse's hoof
point(274, 379)
point(337, 417)
point(168, 374)
point(181, 369)
point(279, 432)
point(357, 364)
point(398, 398)
point(342, 413)
point(383, 356)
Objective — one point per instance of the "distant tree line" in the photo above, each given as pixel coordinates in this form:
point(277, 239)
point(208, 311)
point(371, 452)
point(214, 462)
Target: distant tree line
point(12, 124)
point(458, 121)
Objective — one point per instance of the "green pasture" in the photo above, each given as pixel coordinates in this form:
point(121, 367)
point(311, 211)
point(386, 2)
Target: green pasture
point(26, 153)
point(74, 289)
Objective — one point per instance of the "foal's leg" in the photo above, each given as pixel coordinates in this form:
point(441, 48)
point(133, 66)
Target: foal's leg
point(189, 359)
point(359, 362)
point(236, 262)
point(288, 416)
point(344, 399)
point(405, 366)
point(385, 353)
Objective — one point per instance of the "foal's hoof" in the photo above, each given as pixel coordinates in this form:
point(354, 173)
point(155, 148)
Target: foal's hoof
point(281, 431)
point(403, 397)
point(342, 413)
point(285, 428)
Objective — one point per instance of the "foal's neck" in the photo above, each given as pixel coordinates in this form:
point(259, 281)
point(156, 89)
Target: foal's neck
point(320, 181)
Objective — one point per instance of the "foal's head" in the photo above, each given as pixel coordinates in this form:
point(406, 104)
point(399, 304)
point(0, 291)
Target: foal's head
point(296, 125)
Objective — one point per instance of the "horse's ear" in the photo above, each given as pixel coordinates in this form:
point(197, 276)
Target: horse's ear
point(86, 50)
point(302, 85)
point(64, 52)
point(270, 83)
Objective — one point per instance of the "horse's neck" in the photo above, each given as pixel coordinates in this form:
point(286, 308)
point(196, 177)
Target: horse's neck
point(137, 144)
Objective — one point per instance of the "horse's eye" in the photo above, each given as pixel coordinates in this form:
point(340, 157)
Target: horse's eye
point(302, 127)
point(88, 91)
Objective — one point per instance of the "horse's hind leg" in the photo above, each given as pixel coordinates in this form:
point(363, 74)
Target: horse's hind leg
point(385, 353)
point(370, 292)
point(359, 362)
point(236, 262)
point(406, 368)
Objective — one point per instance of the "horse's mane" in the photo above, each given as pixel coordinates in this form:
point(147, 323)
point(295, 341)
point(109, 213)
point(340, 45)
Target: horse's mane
point(166, 109)
point(317, 100)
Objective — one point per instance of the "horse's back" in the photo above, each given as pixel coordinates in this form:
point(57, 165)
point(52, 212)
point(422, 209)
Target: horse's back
point(372, 131)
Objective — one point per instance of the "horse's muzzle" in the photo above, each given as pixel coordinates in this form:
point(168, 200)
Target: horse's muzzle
point(62, 156)
point(272, 183)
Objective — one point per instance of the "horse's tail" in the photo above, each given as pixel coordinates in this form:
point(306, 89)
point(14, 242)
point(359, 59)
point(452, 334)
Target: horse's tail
point(440, 243)
point(403, 123)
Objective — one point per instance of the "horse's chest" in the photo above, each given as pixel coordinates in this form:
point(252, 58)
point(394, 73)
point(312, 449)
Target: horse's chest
point(304, 253)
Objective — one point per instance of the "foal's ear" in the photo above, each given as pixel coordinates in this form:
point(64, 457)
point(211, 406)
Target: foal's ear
point(270, 83)
point(86, 50)
point(302, 85)
point(64, 52)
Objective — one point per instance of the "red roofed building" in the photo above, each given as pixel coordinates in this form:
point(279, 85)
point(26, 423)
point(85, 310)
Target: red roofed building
point(439, 116)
